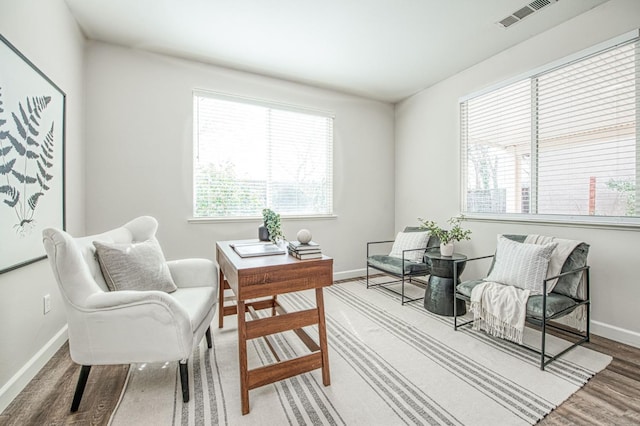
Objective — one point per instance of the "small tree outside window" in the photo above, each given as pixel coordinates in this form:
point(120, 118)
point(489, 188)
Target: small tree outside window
point(251, 154)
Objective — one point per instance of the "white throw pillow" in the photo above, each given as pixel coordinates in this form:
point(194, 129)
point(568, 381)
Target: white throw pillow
point(136, 266)
point(520, 264)
point(407, 241)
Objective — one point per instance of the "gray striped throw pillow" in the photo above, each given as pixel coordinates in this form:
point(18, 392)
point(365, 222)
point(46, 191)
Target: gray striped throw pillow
point(520, 264)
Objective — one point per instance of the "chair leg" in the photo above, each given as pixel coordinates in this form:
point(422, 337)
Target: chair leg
point(208, 335)
point(367, 275)
point(184, 380)
point(544, 328)
point(588, 318)
point(82, 381)
point(587, 306)
point(455, 299)
point(455, 309)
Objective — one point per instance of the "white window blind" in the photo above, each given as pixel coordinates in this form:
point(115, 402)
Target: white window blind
point(249, 155)
point(562, 142)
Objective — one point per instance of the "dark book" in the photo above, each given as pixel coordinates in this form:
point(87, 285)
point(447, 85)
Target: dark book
point(305, 256)
point(294, 252)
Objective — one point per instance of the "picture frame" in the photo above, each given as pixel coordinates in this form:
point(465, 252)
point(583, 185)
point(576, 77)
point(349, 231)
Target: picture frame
point(32, 158)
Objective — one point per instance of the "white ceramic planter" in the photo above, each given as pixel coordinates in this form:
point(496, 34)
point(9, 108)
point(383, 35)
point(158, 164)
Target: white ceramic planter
point(446, 249)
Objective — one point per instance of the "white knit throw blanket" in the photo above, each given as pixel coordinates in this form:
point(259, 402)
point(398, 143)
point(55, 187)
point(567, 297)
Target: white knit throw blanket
point(499, 310)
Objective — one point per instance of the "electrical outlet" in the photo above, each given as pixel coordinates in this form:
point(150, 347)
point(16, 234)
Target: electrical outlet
point(47, 303)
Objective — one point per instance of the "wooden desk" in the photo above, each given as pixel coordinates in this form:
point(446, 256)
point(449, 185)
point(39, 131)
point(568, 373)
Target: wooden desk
point(267, 276)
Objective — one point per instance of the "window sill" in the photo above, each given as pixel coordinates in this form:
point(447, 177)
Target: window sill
point(200, 220)
point(600, 222)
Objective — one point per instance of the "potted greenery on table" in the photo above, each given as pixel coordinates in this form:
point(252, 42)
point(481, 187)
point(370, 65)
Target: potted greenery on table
point(272, 228)
point(446, 236)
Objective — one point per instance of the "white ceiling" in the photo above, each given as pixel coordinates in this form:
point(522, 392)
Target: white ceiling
point(380, 49)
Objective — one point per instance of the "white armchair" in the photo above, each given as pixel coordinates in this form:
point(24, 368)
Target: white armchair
point(129, 326)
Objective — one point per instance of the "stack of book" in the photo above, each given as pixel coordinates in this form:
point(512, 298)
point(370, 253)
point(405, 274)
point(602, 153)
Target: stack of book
point(310, 250)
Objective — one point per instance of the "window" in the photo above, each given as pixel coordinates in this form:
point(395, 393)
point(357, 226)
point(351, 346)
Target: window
point(561, 143)
point(249, 155)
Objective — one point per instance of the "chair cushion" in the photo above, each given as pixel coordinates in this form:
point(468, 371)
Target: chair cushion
point(197, 301)
point(520, 264)
point(408, 241)
point(569, 285)
point(134, 266)
point(555, 302)
point(465, 287)
point(393, 265)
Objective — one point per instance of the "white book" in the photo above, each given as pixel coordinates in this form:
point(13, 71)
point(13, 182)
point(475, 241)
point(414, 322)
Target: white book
point(257, 249)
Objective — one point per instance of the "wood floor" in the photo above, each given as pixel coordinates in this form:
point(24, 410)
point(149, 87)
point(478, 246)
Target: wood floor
point(612, 397)
point(47, 398)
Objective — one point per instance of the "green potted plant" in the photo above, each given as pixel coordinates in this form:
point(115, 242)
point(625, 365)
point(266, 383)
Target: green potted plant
point(272, 228)
point(446, 236)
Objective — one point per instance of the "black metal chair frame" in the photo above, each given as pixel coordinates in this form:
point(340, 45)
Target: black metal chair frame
point(543, 322)
point(402, 277)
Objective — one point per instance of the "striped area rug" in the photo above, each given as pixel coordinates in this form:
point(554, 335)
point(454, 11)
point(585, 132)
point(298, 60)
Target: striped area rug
point(390, 365)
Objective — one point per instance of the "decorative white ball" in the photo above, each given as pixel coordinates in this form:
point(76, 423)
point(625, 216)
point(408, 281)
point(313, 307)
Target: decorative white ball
point(304, 236)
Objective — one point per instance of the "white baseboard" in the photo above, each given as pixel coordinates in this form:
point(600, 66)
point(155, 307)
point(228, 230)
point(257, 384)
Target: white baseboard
point(345, 275)
point(14, 386)
point(618, 334)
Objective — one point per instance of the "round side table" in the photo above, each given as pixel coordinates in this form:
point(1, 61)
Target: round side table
point(438, 298)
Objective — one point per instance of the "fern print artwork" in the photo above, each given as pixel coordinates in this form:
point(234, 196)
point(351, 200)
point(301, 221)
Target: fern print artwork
point(32, 129)
point(26, 158)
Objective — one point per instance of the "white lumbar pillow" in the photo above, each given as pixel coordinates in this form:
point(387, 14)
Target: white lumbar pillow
point(520, 264)
point(407, 241)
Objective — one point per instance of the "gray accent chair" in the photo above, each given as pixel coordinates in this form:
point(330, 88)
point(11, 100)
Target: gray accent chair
point(570, 292)
point(403, 270)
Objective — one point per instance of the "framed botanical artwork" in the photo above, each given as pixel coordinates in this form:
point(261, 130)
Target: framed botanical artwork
point(32, 120)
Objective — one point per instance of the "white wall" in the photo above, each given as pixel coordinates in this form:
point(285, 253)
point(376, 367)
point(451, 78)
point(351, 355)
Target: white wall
point(139, 153)
point(428, 158)
point(44, 32)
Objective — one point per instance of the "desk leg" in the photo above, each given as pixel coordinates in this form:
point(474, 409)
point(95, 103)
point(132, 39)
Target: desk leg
point(221, 300)
point(242, 352)
point(322, 334)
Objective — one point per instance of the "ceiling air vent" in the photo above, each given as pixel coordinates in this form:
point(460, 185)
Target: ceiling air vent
point(525, 11)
